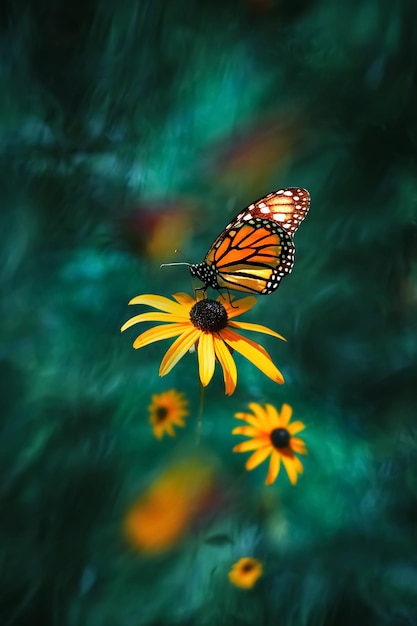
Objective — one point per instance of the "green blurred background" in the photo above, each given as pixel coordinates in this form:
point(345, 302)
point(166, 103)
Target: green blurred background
point(130, 129)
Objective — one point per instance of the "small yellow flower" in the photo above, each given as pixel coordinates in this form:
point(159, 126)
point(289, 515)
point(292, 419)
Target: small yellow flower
point(160, 518)
point(207, 325)
point(272, 435)
point(166, 411)
point(245, 572)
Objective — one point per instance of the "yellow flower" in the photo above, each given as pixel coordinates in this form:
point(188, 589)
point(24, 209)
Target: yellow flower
point(170, 231)
point(245, 572)
point(167, 409)
point(271, 435)
point(207, 325)
point(160, 518)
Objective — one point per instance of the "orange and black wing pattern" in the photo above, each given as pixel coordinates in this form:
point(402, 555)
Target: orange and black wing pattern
point(255, 251)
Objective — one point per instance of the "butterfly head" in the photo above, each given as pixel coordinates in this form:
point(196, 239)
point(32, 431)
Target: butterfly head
point(207, 274)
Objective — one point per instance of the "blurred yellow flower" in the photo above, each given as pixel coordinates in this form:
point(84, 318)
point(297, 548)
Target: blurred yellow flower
point(272, 435)
point(207, 325)
point(159, 519)
point(170, 232)
point(166, 411)
point(245, 572)
point(157, 226)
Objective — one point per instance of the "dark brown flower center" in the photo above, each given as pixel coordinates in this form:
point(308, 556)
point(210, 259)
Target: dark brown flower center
point(280, 438)
point(247, 567)
point(161, 413)
point(209, 315)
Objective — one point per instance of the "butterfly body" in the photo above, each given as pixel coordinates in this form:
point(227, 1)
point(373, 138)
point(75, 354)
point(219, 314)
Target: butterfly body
point(255, 250)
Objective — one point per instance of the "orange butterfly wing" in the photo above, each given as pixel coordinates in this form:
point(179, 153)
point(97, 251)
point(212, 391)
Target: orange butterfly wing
point(255, 251)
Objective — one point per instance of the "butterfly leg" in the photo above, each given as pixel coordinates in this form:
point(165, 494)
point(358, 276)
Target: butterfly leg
point(203, 291)
point(229, 296)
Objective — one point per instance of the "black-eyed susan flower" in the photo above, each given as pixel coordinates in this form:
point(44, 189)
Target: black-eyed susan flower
point(271, 435)
point(209, 326)
point(159, 519)
point(166, 411)
point(245, 572)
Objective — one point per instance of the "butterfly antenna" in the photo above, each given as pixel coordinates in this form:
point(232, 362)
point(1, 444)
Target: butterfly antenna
point(182, 263)
point(169, 264)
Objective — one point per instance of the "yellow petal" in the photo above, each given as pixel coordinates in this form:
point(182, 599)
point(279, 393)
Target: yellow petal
point(253, 444)
point(298, 465)
point(166, 331)
point(178, 349)
point(250, 419)
point(178, 421)
point(261, 415)
point(253, 353)
point(185, 299)
point(170, 430)
point(256, 328)
point(285, 414)
point(206, 360)
point(298, 445)
point(152, 317)
point(274, 466)
point(258, 457)
point(296, 427)
point(239, 306)
point(248, 431)
point(273, 416)
point(290, 466)
point(161, 303)
point(228, 365)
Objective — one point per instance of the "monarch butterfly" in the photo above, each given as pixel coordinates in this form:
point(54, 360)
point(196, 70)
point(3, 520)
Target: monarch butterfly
point(255, 250)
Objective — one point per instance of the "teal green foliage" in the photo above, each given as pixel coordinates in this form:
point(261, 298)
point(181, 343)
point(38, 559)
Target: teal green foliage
point(108, 109)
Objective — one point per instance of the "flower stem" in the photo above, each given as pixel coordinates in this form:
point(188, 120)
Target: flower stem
point(200, 416)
